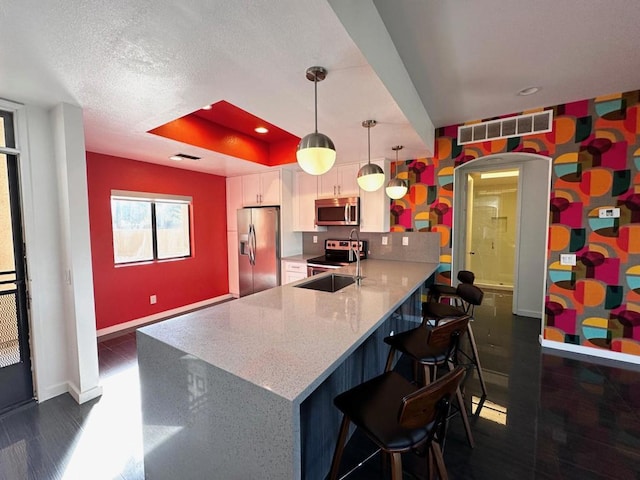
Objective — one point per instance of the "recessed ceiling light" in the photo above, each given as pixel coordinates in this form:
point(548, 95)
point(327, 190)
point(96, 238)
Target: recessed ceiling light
point(528, 91)
point(175, 157)
point(261, 130)
point(207, 107)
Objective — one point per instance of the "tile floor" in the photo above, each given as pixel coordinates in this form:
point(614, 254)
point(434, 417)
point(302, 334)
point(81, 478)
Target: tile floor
point(546, 417)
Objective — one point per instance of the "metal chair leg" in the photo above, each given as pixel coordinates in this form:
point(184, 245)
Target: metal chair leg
point(396, 466)
point(337, 454)
point(437, 453)
point(476, 359)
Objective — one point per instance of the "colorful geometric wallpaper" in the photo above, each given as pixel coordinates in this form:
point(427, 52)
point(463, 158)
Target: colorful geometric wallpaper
point(595, 147)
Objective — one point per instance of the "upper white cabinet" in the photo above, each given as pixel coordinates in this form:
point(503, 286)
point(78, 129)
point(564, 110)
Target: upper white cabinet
point(340, 181)
point(261, 189)
point(234, 201)
point(304, 196)
point(375, 206)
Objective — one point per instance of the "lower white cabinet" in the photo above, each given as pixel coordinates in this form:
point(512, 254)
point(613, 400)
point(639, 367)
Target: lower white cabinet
point(293, 271)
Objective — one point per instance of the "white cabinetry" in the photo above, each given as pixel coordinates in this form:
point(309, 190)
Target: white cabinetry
point(375, 206)
point(234, 201)
point(304, 203)
point(293, 271)
point(340, 181)
point(261, 189)
point(232, 261)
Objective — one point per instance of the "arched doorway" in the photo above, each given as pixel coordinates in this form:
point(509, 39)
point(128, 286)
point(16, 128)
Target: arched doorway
point(530, 230)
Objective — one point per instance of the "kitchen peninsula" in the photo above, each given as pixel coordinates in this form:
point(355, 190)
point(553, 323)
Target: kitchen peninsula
point(244, 389)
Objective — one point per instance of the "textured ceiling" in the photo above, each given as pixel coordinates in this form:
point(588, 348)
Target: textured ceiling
point(135, 65)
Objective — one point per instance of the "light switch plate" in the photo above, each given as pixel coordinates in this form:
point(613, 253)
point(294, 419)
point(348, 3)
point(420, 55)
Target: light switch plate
point(385, 240)
point(405, 241)
point(315, 239)
point(568, 259)
point(609, 213)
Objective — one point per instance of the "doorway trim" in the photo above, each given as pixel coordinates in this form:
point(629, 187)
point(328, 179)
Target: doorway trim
point(460, 204)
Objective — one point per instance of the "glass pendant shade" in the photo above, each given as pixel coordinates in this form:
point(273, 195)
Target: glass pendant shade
point(370, 177)
point(396, 188)
point(316, 153)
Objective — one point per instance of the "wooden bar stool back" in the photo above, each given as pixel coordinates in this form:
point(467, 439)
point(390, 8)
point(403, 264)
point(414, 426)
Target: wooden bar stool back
point(398, 417)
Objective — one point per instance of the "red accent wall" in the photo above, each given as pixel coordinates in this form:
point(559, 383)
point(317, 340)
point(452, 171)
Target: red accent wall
point(122, 293)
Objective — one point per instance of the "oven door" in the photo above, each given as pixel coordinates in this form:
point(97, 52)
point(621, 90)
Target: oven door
point(318, 269)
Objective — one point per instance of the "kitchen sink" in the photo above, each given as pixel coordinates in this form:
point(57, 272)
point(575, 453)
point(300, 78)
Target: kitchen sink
point(331, 283)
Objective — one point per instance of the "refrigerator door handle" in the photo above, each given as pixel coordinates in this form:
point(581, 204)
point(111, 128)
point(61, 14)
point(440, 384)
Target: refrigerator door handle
point(252, 244)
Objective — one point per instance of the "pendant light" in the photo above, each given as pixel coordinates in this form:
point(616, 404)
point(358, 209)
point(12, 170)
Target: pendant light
point(396, 188)
point(316, 153)
point(371, 176)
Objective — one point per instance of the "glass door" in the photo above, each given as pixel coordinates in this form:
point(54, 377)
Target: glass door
point(16, 383)
point(492, 224)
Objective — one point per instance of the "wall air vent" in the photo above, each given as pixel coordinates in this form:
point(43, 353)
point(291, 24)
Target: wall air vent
point(183, 156)
point(519, 126)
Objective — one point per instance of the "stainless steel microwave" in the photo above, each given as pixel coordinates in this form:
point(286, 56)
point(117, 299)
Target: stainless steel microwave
point(338, 211)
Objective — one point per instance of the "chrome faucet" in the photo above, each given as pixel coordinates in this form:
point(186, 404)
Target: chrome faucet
point(356, 252)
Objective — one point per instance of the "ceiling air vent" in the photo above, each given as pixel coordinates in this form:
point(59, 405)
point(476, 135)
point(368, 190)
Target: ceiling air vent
point(506, 127)
point(183, 156)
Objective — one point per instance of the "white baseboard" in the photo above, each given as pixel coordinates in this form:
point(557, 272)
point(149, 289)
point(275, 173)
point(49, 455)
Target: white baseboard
point(590, 351)
point(82, 397)
point(52, 391)
point(529, 313)
point(160, 316)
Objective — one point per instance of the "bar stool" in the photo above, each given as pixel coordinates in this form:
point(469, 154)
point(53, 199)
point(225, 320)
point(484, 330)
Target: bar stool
point(470, 296)
point(438, 291)
point(398, 417)
point(431, 348)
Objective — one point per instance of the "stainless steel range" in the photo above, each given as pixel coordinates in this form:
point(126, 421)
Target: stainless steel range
point(336, 255)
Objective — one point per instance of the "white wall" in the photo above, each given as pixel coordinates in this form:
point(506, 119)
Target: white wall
point(534, 185)
point(63, 341)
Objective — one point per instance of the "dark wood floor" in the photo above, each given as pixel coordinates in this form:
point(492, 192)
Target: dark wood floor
point(546, 417)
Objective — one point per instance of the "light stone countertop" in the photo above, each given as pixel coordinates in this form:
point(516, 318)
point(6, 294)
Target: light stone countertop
point(288, 339)
point(302, 258)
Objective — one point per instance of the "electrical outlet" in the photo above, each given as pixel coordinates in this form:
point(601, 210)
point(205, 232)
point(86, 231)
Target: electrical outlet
point(568, 259)
point(609, 213)
point(153, 299)
point(405, 241)
point(385, 240)
point(315, 239)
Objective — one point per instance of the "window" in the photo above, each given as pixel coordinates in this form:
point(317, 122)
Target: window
point(149, 227)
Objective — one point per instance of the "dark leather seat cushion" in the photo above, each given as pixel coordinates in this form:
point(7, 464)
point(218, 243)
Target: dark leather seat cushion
point(440, 310)
point(373, 406)
point(414, 343)
point(441, 290)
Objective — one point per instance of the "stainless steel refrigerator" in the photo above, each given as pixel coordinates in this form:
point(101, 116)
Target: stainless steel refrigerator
point(258, 249)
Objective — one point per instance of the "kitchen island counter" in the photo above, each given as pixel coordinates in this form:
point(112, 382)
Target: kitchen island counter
point(266, 352)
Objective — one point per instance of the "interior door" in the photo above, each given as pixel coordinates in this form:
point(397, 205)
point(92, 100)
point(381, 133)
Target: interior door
point(491, 226)
point(16, 382)
point(529, 277)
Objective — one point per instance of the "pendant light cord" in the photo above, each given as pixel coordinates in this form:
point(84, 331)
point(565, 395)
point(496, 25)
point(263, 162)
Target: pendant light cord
point(369, 145)
point(315, 100)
